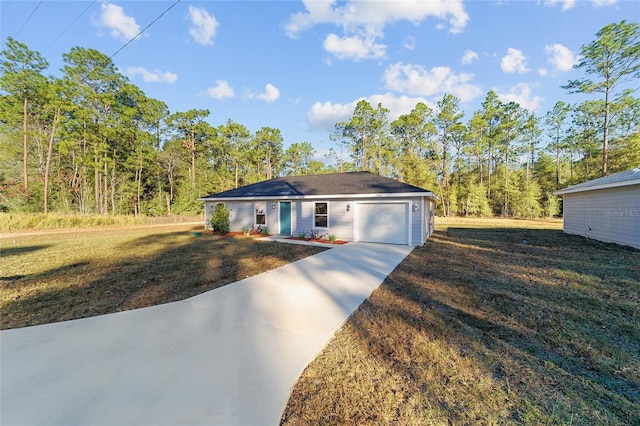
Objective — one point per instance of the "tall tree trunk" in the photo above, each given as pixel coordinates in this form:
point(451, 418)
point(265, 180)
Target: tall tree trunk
point(236, 172)
point(97, 181)
point(605, 142)
point(139, 186)
point(48, 161)
point(113, 185)
point(505, 209)
point(105, 199)
point(489, 174)
point(268, 165)
point(25, 150)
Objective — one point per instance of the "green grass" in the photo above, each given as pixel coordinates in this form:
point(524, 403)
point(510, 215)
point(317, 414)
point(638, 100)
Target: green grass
point(48, 277)
point(491, 322)
point(39, 221)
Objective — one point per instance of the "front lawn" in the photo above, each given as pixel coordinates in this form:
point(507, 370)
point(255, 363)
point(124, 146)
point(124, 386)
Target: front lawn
point(50, 277)
point(491, 322)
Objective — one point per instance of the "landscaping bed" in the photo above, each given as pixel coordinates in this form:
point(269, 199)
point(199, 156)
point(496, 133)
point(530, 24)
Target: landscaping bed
point(318, 240)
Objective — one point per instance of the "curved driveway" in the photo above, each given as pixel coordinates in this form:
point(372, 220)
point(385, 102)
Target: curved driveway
point(226, 357)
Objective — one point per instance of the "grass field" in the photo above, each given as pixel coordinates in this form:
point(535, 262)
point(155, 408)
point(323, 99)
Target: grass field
point(491, 322)
point(11, 222)
point(61, 275)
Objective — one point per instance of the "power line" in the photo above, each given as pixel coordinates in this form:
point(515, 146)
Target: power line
point(29, 18)
point(145, 28)
point(68, 26)
point(6, 6)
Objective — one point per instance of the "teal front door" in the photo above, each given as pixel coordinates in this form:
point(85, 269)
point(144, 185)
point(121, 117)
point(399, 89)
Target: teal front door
point(285, 217)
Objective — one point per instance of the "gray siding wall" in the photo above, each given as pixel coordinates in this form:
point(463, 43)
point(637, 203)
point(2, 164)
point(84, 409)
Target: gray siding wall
point(610, 215)
point(241, 214)
point(273, 217)
point(303, 213)
point(341, 221)
point(417, 236)
point(208, 209)
point(430, 219)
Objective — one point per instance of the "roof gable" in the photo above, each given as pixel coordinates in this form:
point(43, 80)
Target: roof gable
point(350, 183)
point(629, 177)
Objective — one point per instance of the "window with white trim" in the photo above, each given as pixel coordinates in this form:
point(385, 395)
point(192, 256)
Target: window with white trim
point(321, 215)
point(261, 213)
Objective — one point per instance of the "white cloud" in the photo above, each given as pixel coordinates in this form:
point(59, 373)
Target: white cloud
point(543, 72)
point(375, 15)
point(323, 116)
point(409, 43)
point(152, 76)
point(203, 26)
point(522, 94)
point(271, 93)
point(566, 4)
point(418, 81)
point(468, 57)
point(601, 3)
point(221, 90)
point(363, 23)
point(122, 27)
point(560, 56)
point(353, 47)
point(514, 61)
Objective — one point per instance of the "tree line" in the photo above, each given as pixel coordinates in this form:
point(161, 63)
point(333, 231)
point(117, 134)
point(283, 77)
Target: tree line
point(90, 141)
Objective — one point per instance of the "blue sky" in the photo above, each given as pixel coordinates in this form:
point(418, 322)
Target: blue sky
point(301, 66)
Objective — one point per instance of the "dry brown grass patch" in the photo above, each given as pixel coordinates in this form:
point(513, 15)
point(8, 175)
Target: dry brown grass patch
point(61, 276)
point(489, 323)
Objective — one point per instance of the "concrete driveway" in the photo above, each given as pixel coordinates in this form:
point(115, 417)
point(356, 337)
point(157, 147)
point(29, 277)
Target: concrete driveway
point(226, 357)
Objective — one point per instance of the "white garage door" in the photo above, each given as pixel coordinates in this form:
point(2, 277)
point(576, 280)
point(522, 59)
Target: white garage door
point(383, 223)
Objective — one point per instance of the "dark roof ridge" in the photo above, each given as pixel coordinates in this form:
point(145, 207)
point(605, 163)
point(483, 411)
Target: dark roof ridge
point(340, 183)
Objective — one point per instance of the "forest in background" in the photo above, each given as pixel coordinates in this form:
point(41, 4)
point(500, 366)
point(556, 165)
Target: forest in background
point(91, 142)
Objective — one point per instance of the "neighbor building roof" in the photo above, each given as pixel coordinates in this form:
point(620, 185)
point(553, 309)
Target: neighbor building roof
point(327, 186)
point(629, 177)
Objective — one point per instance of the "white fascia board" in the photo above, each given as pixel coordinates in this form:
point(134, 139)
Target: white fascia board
point(324, 197)
point(596, 187)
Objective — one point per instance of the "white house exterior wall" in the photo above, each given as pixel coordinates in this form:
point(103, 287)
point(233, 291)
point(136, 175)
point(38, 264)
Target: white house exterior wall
point(610, 215)
point(417, 234)
point(429, 221)
point(342, 220)
point(304, 217)
point(241, 215)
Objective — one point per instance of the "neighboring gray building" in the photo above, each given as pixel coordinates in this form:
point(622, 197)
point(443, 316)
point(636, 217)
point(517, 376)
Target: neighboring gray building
point(355, 206)
point(606, 209)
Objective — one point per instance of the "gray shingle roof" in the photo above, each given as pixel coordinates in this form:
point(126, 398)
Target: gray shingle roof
point(629, 177)
point(350, 183)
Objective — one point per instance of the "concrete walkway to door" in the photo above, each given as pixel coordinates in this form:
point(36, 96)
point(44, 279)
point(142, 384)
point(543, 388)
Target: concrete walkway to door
point(226, 357)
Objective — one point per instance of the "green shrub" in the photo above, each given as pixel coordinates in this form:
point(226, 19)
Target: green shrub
point(220, 220)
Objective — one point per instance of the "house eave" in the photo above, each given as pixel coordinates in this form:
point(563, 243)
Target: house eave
point(427, 194)
point(571, 190)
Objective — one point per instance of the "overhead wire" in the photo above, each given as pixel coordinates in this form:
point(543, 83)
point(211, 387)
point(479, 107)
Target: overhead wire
point(68, 26)
point(28, 19)
point(145, 28)
point(6, 6)
point(81, 13)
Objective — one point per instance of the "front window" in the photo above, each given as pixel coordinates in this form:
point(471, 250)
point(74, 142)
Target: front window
point(321, 215)
point(261, 213)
